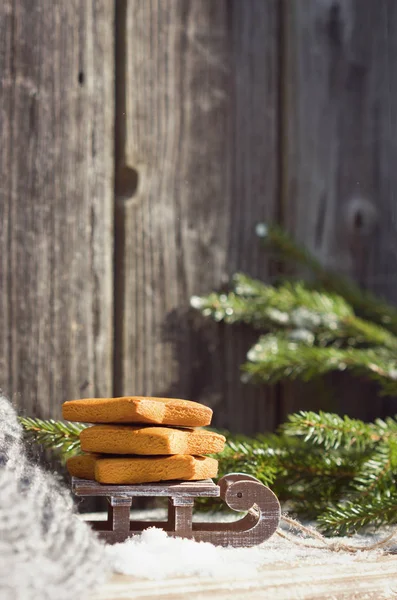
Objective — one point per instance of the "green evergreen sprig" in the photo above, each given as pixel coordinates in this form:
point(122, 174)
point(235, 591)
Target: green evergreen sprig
point(365, 304)
point(275, 358)
point(350, 516)
point(309, 331)
point(332, 431)
point(340, 471)
point(62, 438)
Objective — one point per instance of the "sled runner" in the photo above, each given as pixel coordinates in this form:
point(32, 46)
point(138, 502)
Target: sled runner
point(241, 493)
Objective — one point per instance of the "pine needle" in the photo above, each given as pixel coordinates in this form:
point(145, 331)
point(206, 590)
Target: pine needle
point(331, 431)
point(364, 303)
point(349, 517)
point(62, 438)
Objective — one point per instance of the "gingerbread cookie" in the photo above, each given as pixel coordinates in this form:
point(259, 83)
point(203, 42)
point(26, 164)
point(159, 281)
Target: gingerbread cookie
point(138, 409)
point(125, 439)
point(131, 470)
point(82, 465)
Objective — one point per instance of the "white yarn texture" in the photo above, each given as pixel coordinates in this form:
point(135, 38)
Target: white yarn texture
point(46, 552)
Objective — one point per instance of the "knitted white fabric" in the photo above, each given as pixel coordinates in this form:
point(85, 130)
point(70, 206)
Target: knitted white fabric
point(46, 552)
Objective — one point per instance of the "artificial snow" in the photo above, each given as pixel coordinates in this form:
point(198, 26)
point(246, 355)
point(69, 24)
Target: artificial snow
point(156, 556)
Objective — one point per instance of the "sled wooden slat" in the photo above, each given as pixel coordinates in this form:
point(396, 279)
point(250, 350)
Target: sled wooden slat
point(240, 492)
point(193, 489)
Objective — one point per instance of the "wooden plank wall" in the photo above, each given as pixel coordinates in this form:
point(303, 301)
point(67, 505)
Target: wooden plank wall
point(141, 141)
point(200, 132)
point(340, 151)
point(56, 201)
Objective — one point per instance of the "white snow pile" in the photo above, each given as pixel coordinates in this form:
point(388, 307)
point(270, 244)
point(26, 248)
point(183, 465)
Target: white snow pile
point(155, 555)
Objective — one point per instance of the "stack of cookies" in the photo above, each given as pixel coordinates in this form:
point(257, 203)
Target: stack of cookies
point(142, 440)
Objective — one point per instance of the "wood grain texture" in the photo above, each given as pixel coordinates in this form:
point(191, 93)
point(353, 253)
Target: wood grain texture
point(339, 144)
point(188, 489)
point(56, 207)
point(196, 171)
point(365, 579)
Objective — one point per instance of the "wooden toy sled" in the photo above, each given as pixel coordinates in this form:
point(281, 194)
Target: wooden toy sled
point(240, 492)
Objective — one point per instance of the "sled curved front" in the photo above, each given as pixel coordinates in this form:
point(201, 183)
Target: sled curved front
point(240, 492)
point(243, 493)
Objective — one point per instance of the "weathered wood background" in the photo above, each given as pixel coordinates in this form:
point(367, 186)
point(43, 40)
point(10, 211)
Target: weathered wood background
point(140, 143)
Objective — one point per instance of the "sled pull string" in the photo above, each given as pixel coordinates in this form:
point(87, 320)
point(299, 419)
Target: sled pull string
point(334, 546)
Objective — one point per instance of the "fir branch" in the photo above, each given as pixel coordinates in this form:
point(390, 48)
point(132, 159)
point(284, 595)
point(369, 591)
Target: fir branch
point(391, 437)
point(332, 431)
point(274, 358)
point(326, 318)
point(364, 303)
point(310, 479)
point(262, 306)
point(386, 429)
point(348, 517)
point(368, 333)
point(62, 438)
point(250, 456)
point(289, 465)
point(375, 475)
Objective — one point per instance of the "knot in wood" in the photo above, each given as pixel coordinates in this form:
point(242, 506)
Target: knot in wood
point(361, 217)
